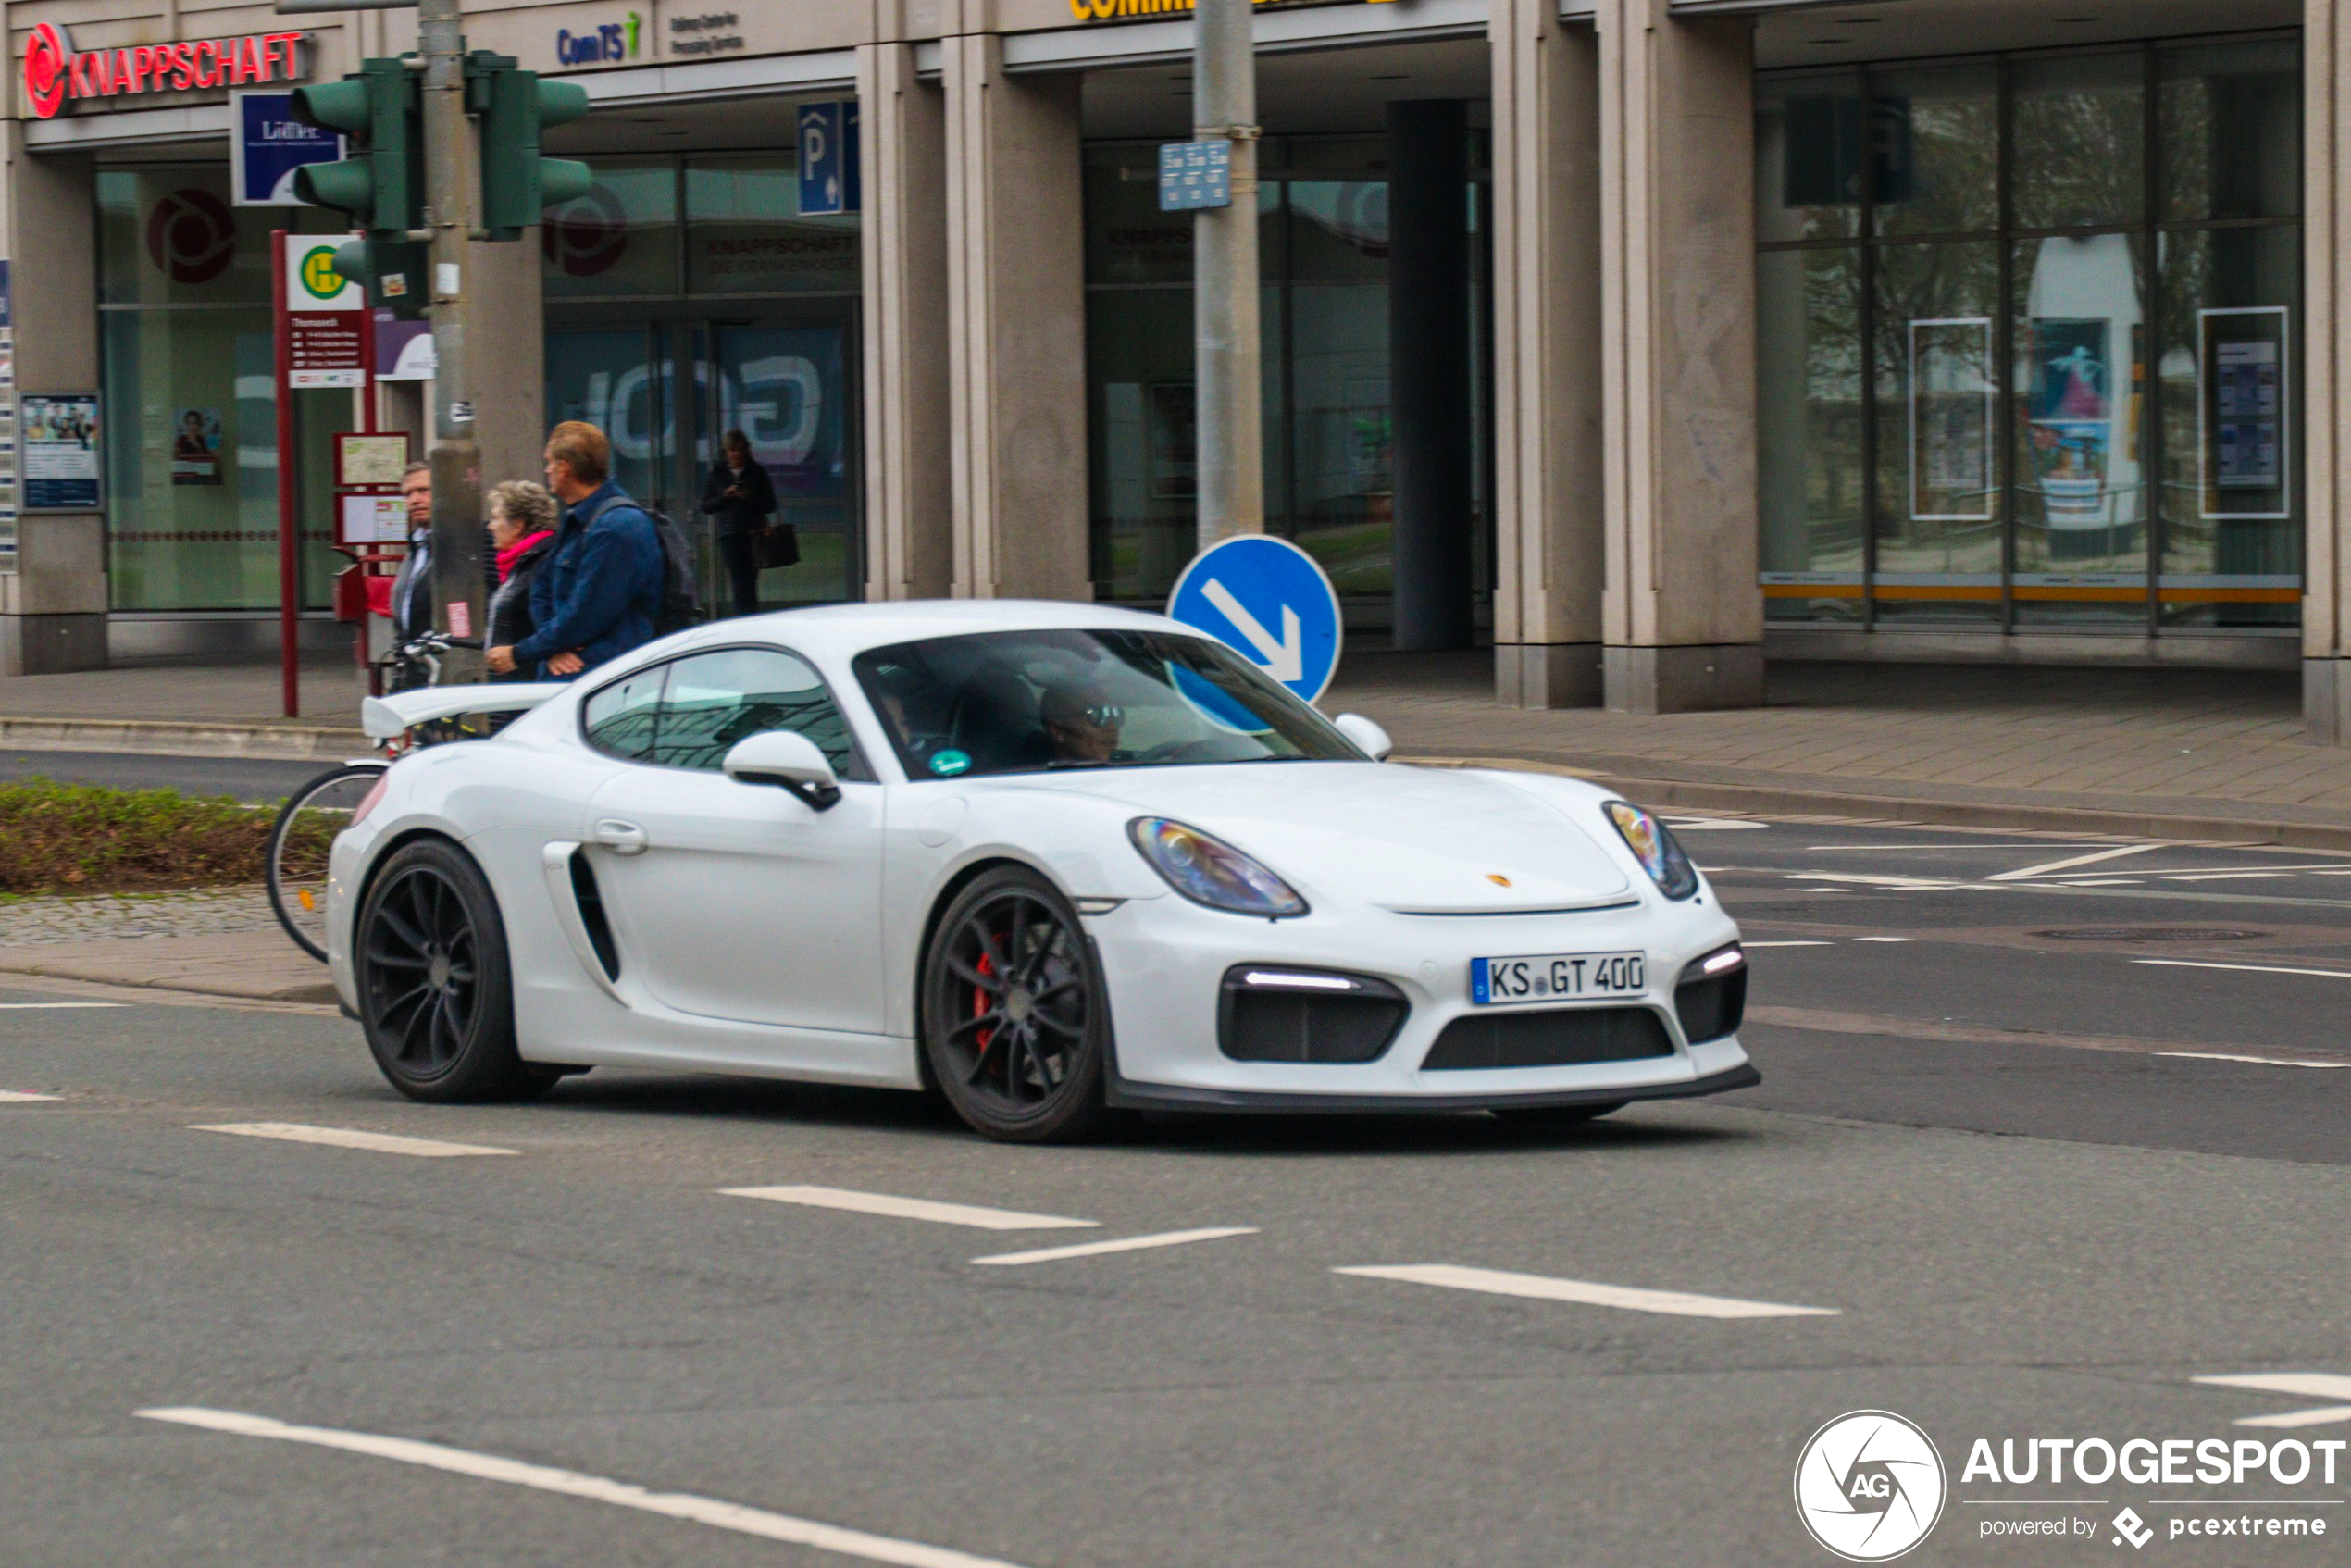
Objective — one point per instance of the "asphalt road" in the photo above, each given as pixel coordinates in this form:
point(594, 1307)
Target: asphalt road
point(252, 780)
point(1978, 1150)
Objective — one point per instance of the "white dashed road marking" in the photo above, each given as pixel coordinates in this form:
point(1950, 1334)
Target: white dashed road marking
point(594, 1489)
point(18, 1097)
point(908, 1208)
point(2022, 873)
point(2262, 1061)
point(1543, 1288)
point(1885, 939)
point(54, 1006)
point(2243, 968)
point(1125, 1244)
point(1744, 942)
point(351, 1137)
point(2314, 1385)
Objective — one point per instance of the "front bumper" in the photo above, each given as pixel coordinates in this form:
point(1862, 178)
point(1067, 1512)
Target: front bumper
point(1164, 960)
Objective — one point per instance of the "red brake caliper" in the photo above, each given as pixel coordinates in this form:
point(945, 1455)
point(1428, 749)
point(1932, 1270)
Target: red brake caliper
point(979, 1005)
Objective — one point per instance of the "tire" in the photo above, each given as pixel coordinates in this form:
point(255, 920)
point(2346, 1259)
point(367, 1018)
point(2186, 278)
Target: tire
point(299, 841)
point(1022, 1060)
point(1532, 1117)
point(436, 998)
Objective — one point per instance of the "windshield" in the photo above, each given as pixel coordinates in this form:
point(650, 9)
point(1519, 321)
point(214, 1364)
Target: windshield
point(1029, 702)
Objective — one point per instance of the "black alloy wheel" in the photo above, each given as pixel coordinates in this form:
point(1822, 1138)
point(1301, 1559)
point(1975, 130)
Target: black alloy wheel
point(1014, 1018)
point(429, 953)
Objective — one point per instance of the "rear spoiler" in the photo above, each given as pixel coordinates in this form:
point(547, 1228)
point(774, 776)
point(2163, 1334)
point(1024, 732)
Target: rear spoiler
point(386, 719)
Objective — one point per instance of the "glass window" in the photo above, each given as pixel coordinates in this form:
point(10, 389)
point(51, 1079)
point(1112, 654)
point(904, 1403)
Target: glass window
point(787, 389)
point(745, 234)
point(620, 719)
point(1938, 513)
point(715, 699)
point(1809, 410)
point(2080, 345)
point(1937, 130)
point(618, 382)
point(169, 236)
point(618, 239)
point(1807, 157)
point(1128, 240)
point(2230, 130)
point(2080, 139)
point(1021, 702)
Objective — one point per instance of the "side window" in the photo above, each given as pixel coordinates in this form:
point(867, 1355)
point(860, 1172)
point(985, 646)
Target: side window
point(713, 700)
point(620, 719)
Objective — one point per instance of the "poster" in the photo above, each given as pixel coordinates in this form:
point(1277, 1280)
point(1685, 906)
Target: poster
point(195, 447)
point(371, 520)
point(365, 461)
point(2072, 413)
point(1951, 419)
point(2243, 371)
point(60, 452)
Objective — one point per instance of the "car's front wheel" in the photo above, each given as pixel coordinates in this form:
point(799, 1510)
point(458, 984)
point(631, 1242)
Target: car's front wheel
point(436, 998)
point(1015, 1021)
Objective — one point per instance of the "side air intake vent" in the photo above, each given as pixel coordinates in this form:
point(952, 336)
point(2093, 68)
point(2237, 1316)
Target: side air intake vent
point(1558, 1037)
point(1273, 1012)
point(592, 914)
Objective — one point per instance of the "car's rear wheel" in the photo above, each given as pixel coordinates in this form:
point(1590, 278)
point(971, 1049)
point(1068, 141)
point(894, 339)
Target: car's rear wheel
point(1015, 1022)
point(436, 998)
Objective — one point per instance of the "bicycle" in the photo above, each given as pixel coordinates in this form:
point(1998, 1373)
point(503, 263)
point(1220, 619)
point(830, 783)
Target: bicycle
point(302, 837)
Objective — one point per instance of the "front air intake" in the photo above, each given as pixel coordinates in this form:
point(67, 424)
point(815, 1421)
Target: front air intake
point(1557, 1037)
point(1270, 1012)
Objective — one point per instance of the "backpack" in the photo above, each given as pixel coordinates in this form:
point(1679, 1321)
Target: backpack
point(680, 605)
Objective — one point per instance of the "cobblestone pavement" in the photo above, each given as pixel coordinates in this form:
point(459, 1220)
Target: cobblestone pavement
point(205, 912)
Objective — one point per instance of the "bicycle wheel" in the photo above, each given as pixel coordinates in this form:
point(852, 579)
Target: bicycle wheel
point(299, 840)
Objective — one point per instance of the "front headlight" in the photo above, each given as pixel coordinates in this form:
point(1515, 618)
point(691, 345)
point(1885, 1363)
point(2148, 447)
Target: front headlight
point(1211, 872)
point(1652, 844)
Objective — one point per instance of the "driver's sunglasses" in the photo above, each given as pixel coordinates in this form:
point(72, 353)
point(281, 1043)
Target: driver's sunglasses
point(1102, 715)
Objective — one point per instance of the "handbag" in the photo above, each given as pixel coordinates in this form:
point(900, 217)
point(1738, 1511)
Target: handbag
point(778, 546)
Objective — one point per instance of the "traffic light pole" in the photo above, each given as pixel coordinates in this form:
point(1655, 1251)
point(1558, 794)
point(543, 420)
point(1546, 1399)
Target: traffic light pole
point(1231, 440)
point(457, 582)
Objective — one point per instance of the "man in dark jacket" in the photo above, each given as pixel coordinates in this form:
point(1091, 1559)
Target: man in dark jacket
point(740, 498)
point(597, 594)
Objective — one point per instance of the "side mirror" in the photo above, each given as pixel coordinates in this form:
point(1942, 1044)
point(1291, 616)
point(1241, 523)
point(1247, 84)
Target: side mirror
point(1369, 738)
point(787, 760)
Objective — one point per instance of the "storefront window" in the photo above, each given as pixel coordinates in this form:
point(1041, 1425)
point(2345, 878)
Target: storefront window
point(189, 407)
point(619, 240)
point(745, 234)
point(2082, 374)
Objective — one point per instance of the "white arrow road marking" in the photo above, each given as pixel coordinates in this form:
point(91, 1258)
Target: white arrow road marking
point(2316, 1385)
point(1497, 1282)
point(908, 1208)
point(2243, 969)
point(351, 1137)
point(1124, 1244)
point(1285, 660)
point(2022, 873)
point(596, 1488)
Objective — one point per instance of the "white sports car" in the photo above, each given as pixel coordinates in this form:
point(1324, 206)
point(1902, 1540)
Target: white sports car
point(1050, 859)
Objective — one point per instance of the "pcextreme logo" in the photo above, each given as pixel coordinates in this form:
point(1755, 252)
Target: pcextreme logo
point(1869, 1486)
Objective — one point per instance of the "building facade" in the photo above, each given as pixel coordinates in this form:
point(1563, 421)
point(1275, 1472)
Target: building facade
point(1702, 331)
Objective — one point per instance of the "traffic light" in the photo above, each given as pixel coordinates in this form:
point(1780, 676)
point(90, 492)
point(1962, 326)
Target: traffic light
point(515, 106)
point(381, 186)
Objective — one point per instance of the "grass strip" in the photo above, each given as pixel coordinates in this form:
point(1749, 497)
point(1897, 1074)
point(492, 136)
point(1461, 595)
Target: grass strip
point(85, 839)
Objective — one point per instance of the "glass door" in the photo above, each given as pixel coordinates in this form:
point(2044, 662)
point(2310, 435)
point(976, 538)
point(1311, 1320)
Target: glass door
point(788, 387)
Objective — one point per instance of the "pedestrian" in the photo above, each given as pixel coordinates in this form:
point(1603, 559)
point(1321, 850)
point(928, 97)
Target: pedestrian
point(407, 597)
point(740, 498)
point(522, 533)
point(599, 590)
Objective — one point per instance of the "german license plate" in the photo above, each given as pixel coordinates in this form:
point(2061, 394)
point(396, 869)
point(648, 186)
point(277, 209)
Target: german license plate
point(1557, 977)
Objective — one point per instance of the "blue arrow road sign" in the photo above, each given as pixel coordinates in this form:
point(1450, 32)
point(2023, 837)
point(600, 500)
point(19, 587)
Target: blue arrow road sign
point(1269, 602)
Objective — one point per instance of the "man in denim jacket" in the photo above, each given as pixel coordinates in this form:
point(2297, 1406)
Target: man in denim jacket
point(600, 590)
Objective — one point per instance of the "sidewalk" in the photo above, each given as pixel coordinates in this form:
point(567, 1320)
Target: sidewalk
point(226, 709)
point(214, 941)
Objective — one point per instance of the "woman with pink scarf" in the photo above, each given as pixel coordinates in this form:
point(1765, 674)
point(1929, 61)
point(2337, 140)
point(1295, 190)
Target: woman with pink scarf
point(522, 531)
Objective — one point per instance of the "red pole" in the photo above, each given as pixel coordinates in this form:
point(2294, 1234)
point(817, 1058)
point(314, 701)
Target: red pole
point(289, 559)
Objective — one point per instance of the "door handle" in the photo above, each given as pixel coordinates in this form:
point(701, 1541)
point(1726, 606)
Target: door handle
point(621, 838)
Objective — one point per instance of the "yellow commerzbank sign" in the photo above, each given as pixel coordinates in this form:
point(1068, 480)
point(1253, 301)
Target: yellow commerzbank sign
point(1107, 11)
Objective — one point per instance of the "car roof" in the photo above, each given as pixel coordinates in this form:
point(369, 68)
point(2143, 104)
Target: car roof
point(840, 631)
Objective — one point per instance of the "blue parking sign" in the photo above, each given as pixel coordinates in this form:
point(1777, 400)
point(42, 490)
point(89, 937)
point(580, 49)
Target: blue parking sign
point(1269, 602)
point(829, 177)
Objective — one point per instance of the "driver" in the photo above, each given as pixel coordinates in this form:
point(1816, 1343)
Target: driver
point(1082, 723)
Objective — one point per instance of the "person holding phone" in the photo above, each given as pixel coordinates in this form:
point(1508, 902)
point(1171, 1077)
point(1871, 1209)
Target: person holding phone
point(740, 498)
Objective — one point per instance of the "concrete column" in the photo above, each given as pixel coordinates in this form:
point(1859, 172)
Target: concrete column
point(1428, 286)
point(1546, 357)
point(52, 608)
point(509, 371)
point(1017, 326)
point(909, 546)
point(1683, 619)
point(2326, 290)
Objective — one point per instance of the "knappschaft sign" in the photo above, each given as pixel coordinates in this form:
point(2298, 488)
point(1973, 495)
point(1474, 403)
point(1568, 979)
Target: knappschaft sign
point(56, 73)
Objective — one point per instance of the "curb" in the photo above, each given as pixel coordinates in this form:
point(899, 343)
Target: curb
point(1767, 800)
point(288, 742)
